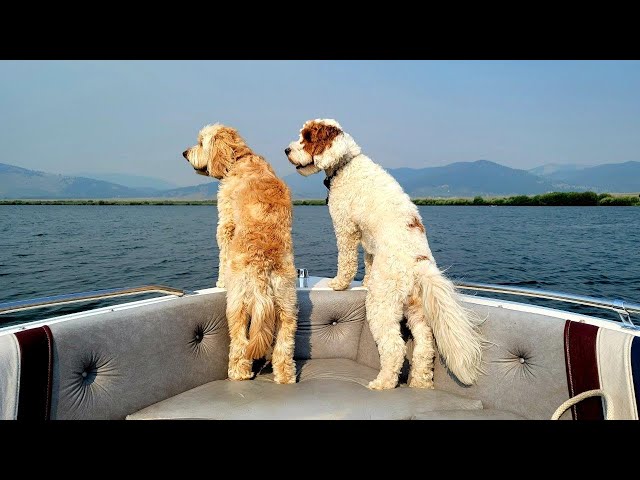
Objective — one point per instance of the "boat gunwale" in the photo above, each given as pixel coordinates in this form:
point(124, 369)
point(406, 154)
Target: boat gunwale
point(320, 284)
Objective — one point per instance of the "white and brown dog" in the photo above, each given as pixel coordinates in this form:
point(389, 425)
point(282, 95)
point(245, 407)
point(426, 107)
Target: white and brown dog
point(368, 206)
point(256, 252)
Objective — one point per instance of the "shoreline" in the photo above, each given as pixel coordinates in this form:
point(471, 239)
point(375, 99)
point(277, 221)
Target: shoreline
point(585, 199)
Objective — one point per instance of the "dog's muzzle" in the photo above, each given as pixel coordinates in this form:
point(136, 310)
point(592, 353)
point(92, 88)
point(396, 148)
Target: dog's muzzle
point(298, 166)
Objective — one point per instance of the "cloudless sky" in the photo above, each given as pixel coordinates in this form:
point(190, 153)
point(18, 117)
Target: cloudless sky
point(137, 117)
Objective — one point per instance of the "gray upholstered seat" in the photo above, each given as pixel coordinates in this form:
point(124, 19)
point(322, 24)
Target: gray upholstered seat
point(168, 359)
point(467, 415)
point(333, 388)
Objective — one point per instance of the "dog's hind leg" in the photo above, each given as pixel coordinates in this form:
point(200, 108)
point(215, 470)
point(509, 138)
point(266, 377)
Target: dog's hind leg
point(421, 373)
point(384, 305)
point(284, 367)
point(238, 320)
point(368, 261)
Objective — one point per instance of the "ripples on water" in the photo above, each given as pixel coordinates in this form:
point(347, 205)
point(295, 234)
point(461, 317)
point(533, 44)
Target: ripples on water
point(49, 250)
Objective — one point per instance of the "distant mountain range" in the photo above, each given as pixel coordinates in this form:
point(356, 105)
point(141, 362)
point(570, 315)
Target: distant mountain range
point(140, 182)
point(461, 179)
point(614, 177)
point(555, 168)
point(17, 182)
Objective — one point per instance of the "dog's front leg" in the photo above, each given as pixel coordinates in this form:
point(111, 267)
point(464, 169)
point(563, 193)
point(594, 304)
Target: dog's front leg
point(224, 234)
point(348, 237)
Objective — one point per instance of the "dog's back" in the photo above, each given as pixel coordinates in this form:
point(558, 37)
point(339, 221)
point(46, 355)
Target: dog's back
point(379, 206)
point(262, 213)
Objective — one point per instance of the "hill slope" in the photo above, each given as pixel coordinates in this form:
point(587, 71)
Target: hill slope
point(612, 177)
point(462, 179)
point(139, 182)
point(17, 182)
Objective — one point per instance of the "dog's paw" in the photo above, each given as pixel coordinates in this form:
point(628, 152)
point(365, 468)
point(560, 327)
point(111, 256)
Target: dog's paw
point(382, 384)
point(240, 371)
point(338, 284)
point(240, 376)
point(220, 284)
point(421, 383)
point(284, 372)
point(284, 379)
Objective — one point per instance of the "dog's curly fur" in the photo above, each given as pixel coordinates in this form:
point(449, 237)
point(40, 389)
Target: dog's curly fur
point(256, 252)
point(368, 206)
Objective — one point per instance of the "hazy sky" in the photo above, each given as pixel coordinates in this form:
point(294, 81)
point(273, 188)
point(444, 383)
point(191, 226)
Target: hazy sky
point(137, 117)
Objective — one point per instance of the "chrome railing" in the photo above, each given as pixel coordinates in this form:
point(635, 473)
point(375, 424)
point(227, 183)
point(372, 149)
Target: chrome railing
point(622, 308)
point(20, 305)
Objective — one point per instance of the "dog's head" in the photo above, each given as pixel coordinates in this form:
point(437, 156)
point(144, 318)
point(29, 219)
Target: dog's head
point(322, 145)
point(218, 148)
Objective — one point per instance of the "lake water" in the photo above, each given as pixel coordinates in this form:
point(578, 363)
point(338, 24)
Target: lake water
point(49, 250)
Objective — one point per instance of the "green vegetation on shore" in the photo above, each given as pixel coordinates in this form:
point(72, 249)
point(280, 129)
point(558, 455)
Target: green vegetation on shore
point(555, 199)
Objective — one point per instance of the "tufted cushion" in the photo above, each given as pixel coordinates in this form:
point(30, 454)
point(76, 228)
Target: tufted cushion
point(142, 355)
point(327, 389)
point(524, 364)
point(329, 323)
point(107, 365)
point(467, 415)
point(112, 364)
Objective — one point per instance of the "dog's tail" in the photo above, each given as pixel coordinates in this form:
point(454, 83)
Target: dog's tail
point(454, 327)
point(263, 320)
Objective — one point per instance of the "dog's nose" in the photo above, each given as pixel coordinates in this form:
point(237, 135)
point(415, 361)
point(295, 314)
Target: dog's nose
point(287, 151)
point(184, 154)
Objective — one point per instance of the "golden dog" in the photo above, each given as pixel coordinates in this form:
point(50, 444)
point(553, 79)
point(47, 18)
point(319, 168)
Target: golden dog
point(256, 252)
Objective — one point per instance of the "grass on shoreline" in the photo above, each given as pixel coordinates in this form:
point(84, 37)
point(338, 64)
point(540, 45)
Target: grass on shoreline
point(553, 199)
point(590, 199)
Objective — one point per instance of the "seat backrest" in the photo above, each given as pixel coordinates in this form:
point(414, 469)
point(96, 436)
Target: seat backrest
point(533, 363)
point(108, 365)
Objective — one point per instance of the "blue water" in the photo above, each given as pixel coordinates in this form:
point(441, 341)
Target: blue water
point(47, 250)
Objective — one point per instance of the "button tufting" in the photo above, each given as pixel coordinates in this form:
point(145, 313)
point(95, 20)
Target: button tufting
point(334, 323)
point(84, 374)
point(521, 360)
point(198, 334)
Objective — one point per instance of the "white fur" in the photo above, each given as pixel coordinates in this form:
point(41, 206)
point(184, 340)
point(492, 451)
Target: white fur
point(368, 206)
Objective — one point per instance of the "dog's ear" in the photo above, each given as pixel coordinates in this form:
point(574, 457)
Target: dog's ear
point(221, 154)
point(322, 138)
point(318, 137)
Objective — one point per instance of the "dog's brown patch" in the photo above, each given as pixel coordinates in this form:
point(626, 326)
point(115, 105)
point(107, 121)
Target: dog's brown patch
point(420, 258)
point(317, 137)
point(416, 223)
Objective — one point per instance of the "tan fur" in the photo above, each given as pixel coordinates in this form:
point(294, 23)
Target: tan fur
point(416, 223)
point(256, 251)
